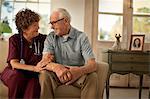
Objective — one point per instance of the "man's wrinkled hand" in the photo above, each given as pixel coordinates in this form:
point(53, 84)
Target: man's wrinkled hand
point(66, 77)
point(76, 73)
point(61, 71)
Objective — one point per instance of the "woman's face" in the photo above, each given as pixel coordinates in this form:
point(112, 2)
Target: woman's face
point(32, 30)
point(137, 41)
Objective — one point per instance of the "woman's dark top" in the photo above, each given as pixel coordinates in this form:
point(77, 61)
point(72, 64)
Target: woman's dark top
point(32, 52)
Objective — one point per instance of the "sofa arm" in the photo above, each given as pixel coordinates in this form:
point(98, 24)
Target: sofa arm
point(3, 91)
point(102, 72)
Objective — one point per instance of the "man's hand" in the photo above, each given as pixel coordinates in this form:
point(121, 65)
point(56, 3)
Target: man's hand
point(76, 72)
point(61, 71)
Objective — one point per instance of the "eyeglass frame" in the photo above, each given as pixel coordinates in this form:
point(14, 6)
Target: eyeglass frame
point(54, 22)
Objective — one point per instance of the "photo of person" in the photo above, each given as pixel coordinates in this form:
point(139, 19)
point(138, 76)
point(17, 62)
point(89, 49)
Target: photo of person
point(136, 43)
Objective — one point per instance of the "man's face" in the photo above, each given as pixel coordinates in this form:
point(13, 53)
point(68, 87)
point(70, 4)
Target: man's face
point(58, 24)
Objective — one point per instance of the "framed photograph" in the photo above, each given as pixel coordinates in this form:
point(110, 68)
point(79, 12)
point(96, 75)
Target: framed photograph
point(137, 42)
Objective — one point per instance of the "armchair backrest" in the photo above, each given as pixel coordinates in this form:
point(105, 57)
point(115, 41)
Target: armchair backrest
point(3, 55)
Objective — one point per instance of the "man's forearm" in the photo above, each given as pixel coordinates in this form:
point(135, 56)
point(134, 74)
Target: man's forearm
point(53, 66)
point(88, 68)
point(48, 57)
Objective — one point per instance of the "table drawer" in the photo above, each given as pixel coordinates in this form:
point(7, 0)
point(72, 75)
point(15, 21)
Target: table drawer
point(130, 67)
point(129, 58)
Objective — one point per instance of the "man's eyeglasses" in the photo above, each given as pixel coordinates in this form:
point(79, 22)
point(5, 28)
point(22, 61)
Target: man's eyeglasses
point(53, 22)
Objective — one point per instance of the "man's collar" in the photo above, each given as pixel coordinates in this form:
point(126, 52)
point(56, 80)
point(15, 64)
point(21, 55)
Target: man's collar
point(71, 33)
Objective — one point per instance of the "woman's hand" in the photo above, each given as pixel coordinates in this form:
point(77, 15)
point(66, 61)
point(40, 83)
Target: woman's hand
point(47, 58)
point(40, 66)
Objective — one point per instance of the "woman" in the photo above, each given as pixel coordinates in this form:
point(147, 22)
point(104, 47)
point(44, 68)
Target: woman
point(136, 43)
point(21, 74)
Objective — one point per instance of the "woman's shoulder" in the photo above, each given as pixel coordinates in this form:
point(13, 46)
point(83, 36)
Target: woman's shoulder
point(14, 37)
point(42, 35)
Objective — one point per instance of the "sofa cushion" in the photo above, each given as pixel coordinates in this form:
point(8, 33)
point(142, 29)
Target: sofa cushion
point(68, 90)
point(3, 91)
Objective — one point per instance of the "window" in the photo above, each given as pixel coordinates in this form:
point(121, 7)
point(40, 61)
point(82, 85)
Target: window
point(111, 15)
point(9, 8)
point(141, 18)
point(110, 19)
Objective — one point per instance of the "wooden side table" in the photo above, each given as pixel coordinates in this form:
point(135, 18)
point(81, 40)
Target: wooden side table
point(125, 62)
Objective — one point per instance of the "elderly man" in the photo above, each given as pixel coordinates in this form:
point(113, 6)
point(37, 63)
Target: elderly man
point(67, 57)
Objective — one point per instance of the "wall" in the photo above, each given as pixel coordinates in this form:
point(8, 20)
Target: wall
point(76, 9)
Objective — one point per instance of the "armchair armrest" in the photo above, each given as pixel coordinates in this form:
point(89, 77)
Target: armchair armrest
point(102, 72)
point(3, 91)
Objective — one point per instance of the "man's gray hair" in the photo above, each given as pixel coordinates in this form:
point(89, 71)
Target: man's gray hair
point(63, 13)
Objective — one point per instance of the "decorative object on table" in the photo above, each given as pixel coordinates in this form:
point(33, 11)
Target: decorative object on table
point(117, 45)
point(137, 42)
point(4, 28)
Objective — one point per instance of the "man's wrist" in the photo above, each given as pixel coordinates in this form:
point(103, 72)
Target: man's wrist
point(52, 66)
point(82, 71)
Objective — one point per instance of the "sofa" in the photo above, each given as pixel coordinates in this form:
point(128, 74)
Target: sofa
point(70, 91)
point(3, 64)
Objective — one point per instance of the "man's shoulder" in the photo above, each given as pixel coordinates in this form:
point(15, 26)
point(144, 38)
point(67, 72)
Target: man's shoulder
point(79, 33)
point(51, 34)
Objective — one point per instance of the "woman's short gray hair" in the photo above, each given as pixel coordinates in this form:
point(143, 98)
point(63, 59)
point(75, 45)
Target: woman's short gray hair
point(63, 13)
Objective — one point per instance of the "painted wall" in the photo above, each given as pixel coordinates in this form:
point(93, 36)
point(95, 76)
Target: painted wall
point(75, 8)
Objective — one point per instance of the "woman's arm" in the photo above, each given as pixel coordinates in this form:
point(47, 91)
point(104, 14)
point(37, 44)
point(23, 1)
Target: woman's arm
point(17, 65)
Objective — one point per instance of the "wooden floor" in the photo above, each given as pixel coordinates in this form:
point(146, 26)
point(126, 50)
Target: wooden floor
point(124, 93)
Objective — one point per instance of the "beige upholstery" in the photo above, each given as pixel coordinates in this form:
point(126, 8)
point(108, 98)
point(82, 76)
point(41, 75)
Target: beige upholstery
point(70, 92)
point(3, 57)
point(62, 91)
point(3, 54)
point(3, 91)
point(66, 92)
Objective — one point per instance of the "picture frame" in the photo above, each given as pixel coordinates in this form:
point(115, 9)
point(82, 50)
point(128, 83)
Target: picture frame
point(137, 42)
